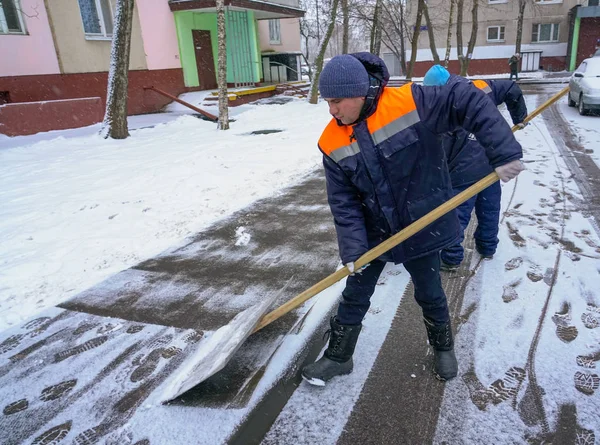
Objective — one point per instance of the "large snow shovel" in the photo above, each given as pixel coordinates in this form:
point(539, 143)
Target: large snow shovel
point(213, 354)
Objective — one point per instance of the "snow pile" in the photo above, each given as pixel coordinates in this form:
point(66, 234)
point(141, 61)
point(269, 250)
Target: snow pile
point(77, 208)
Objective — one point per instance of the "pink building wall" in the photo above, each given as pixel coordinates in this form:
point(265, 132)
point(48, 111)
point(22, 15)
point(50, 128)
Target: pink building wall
point(290, 36)
point(159, 34)
point(33, 52)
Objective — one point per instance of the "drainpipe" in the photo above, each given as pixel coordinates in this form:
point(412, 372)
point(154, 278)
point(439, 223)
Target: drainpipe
point(574, 44)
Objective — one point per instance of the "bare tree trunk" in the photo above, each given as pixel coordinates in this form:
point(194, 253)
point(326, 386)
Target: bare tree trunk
point(459, 36)
point(115, 118)
point(313, 97)
point(472, 40)
point(222, 67)
point(449, 38)
point(415, 40)
point(346, 26)
point(434, 53)
point(376, 31)
point(402, 33)
point(522, 4)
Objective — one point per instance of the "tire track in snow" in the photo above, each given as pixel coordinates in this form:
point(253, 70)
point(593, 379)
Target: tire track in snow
point(536, 390)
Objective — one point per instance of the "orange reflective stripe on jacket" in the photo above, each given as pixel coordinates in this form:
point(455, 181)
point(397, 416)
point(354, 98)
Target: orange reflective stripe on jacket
point(396, 111)
point(482, 85)
point(336, 141)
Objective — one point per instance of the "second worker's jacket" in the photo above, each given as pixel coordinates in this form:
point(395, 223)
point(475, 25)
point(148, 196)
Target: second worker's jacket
point(467, 160)
point(389, 169)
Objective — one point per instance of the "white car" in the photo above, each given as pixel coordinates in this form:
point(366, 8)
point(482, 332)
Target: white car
point(584, 86)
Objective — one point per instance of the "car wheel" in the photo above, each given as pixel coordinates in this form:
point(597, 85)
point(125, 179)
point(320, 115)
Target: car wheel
point(570, 102)
point(581, 107)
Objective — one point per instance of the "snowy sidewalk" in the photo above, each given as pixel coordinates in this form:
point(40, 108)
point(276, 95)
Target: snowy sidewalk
point(93, 369)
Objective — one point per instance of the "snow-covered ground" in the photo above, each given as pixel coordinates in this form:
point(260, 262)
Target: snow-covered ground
point(77, 208)
point(522, 351)
point(586, 128)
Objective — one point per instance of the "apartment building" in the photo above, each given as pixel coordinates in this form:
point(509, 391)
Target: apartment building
point(56, 54)
point(546, 36)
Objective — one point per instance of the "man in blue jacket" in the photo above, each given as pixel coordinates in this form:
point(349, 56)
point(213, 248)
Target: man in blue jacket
point(468, 163)
point(385, 168)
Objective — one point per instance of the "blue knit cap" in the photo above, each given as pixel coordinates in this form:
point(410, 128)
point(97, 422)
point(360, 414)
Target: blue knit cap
point(344, 76)
point(436, 76)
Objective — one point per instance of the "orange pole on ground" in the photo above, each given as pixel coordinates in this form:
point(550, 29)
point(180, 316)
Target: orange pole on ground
point(182, 102)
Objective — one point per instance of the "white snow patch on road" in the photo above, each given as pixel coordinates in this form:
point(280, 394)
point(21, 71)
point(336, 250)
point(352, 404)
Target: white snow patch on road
point(242, 237)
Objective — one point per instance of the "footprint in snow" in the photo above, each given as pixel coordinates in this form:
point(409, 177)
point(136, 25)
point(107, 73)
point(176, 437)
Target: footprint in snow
point(562, 319)
point(515, 263)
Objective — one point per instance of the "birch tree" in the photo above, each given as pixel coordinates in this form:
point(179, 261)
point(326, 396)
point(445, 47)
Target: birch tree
point(115, 118)
point(222, 67)
point(313, 97)
point(449, 38)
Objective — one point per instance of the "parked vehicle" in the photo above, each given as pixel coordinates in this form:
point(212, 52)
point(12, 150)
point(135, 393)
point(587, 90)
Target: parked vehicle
point(584, 86)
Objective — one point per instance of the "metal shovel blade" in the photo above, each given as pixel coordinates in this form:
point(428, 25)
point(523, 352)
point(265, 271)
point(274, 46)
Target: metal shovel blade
point(214, 352)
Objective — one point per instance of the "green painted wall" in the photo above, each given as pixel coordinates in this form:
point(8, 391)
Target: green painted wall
point(186, 21)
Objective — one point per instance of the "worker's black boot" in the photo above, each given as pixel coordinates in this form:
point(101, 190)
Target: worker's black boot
point(337, 359)
point(440, 338)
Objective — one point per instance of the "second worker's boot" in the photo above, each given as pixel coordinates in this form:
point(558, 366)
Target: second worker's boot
point(337, 359)
point(440, 338)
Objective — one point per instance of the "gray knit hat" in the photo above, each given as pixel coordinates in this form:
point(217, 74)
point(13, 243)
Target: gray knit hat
point(344, 76)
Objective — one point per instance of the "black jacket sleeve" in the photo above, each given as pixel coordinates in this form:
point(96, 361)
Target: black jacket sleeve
point(508, 92)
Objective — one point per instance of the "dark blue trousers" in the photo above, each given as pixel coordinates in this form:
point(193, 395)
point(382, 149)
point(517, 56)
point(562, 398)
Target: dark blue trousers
point(425, 274)
point(487, 209)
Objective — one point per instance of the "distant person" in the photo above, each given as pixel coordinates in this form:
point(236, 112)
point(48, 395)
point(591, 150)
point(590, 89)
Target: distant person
point(513, 63)
point(468, 163)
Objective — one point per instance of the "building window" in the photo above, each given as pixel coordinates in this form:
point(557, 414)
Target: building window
point(97, 18)
point(274, 31)
point(11, 21)
point(492, 2)
point(548, 1)
point(545, 32)
point(495, 34)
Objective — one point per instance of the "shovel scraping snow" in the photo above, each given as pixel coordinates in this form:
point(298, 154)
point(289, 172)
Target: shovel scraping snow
point(214, 353)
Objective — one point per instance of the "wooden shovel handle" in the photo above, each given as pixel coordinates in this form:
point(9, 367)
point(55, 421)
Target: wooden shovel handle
point(403, 235)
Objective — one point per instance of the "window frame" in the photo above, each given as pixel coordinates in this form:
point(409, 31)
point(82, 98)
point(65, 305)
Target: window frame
point(548, 2)
point(497, 2)
point(501, 34)
point(103, 35)
point(278, 28)
point(554, 26)
point(4, 24)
